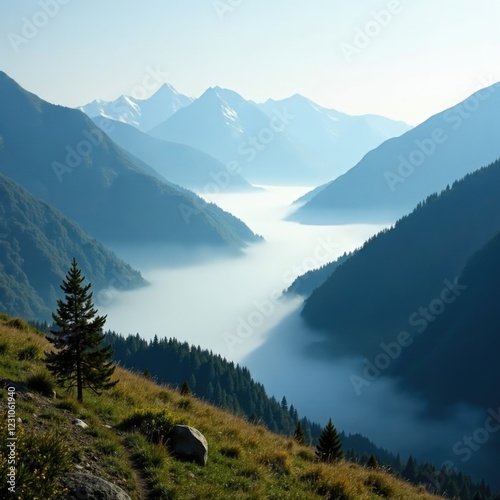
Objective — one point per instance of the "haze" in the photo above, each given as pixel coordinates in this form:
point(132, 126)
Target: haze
point(229, 304)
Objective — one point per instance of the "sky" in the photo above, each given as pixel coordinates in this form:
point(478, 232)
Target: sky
point(404, 59)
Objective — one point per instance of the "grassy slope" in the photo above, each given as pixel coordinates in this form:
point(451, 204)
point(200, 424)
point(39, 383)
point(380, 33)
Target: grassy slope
point(245, 461)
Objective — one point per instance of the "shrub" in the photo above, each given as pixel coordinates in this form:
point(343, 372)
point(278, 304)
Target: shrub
point(69, 405)
point(4, 348)
point(40, 459)
point(379, 485)
point(277, 462)
point(156, 424)
point(338, 489)
point(30, 353)
point(307, 455)
point(185, 404)
point(19, 324)
point(231, 451)
point(42, 382)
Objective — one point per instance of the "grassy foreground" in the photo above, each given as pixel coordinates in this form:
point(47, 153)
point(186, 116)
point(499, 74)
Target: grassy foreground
point(245, 460)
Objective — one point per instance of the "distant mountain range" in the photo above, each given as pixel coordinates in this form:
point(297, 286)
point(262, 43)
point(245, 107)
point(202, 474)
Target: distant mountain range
point(141, 113)
point(374, 294)
point(292, 141)
point(340, 140)
point(177, 163)
point(59, 155)
point(401, 172)
point(37, 243)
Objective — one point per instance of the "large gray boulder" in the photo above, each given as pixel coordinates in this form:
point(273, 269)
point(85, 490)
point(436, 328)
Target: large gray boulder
point(188, 443)
point(87, 487)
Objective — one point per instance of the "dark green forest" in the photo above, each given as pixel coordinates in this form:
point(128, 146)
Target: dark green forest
point(231, 386)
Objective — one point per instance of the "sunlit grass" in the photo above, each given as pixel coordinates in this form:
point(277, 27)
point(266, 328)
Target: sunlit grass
point(245, 460)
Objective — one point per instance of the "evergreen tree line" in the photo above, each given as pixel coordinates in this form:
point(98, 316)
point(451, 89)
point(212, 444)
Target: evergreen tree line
point(455, 485)
point(209, 377)
point(220, 382)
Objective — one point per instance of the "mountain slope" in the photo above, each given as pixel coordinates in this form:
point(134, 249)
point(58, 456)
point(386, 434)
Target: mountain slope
point(244, 460)
point(59, 155)
point(463, 343)
point(306, 283)
point(37, 245)
point(143, 114)
point(226, 126)
point(339, 139)
point(394, 177)
point(379, 290)
point(178, 163)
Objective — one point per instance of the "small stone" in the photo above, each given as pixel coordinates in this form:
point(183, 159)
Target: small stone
point(19, 420)
point(79, 423)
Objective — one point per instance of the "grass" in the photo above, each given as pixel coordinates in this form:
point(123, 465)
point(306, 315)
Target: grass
point(245, 460)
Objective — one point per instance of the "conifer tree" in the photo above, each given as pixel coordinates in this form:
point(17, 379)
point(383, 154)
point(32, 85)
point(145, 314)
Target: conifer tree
point(329, 447)
point(79, 359)
point(299, 435)
point(284, 404)
point(372, 462)
point(185, 389)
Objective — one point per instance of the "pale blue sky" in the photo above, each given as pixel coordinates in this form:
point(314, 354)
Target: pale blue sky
point(431, 54)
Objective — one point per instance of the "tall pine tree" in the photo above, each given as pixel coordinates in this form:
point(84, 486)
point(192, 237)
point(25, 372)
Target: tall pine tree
point(79, 360)
point(329, 447)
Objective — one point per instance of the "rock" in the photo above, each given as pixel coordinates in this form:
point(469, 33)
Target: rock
point(88, 487)
point(6, 383)
point(188, 443)
point(79, 423)
point(19, 420)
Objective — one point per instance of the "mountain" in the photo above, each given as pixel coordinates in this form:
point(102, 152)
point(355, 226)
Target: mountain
point(36, 247)
point(59, 155)
point(401, 172)
point(307, 282)
point(339, 139)
point(143, 114)
point(463, 343)
point(245, 460)
point(223, 124)
point(293, 141)
point(381, 289)
point(179, 164)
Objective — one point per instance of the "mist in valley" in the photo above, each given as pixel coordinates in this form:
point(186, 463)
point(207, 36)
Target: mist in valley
point(232, 305)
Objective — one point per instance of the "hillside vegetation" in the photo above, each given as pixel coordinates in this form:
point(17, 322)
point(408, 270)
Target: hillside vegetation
point(35, 242)
point(245, 460)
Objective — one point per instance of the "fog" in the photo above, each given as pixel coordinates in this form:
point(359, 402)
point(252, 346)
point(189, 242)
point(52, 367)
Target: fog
point(214, 300)
point(230, 304)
